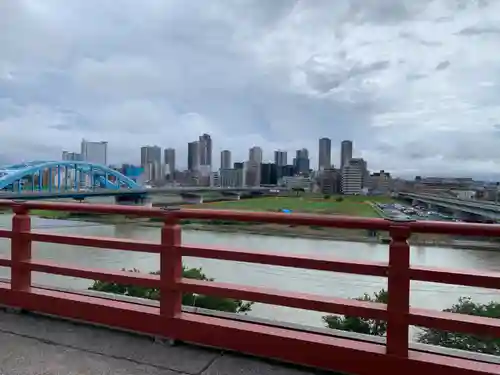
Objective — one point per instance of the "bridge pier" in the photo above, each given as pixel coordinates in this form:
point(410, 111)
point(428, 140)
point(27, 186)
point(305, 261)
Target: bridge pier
point(231, 194)
point(133, 200)
point(191, 198)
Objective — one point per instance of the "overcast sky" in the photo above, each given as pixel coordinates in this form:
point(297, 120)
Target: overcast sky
point(415, 83)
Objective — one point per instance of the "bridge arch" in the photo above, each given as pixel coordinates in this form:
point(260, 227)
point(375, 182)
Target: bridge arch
point(13, 173)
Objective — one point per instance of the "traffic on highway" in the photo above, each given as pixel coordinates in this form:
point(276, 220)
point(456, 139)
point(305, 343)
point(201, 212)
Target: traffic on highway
point(397, 211)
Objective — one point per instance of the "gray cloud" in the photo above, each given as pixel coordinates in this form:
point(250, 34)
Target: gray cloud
point(479, 30)
point(443, 65)
point(279, 74)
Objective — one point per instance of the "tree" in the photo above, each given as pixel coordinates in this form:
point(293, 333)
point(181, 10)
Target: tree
point(357, 324)
point(298, 190)
point(465, 305)
point(188, 299)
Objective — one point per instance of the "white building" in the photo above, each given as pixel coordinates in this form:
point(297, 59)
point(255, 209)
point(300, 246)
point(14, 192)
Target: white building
point(215, 179)
point(297, 182)
point(353, 173)
point(94, 152)
point(231, 178)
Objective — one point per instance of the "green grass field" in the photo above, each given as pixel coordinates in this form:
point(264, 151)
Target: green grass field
point(350, 205)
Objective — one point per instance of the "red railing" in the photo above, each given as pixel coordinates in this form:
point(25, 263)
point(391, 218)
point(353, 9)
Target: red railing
point(301, 347)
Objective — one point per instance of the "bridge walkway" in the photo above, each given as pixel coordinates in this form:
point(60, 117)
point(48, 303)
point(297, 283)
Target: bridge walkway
point(34, 344)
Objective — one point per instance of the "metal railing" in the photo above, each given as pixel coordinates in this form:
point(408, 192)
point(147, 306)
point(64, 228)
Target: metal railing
point(301, 347)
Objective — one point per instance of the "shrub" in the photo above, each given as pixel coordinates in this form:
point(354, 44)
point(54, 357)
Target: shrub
point(357, 324)
point(188, 299)
point(473, 343)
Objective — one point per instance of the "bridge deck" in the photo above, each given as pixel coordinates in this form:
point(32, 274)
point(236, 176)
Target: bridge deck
point(34, 344)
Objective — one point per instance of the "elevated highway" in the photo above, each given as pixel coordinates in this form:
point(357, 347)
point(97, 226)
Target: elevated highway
point(44, 195)
point(486, 210)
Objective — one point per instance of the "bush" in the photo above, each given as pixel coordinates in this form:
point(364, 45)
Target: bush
point(431, 336)
point(326, 196)
point(360, 325)
point(473, 343)
point(188, 299)
point(339, 199)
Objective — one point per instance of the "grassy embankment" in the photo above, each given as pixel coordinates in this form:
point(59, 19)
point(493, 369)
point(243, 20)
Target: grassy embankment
point(316, 204)
point(360, 206)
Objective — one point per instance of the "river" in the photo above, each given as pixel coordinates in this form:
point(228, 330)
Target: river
point(428, 295)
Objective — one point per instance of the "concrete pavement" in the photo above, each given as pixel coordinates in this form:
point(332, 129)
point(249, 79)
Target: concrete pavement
point(35, 345)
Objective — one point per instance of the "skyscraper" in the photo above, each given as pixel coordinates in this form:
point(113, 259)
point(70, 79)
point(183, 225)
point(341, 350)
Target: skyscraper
point(280, 158)
point(193, 156)
point(301, 161)
point(151, 162)
point(150, 155)
point(325, 154)
point(205, 145)
point(255, 155)
point(345, 153)
point(169, 162)
point(94, 152)
point(225, 159)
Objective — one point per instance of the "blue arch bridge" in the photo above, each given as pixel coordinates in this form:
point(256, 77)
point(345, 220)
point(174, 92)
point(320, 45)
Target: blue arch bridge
point(62, 176)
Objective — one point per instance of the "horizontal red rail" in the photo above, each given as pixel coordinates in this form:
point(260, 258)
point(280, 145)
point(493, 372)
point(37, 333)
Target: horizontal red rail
point(289, 260)
point(4, 262)
point(312, 349)
point(453, 228)
point(112, 276)
point(291, 299)
point(456, 277)
point(287, 219)
point(100, 242)
point(446, 321)
point(5, 233)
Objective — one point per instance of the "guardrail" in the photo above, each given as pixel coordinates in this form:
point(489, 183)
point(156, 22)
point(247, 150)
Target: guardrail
point(306, 348)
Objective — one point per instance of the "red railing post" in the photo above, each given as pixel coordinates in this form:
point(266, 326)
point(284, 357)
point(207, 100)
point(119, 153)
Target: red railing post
point(170, 269)
point(20, 279)
point(398, 286)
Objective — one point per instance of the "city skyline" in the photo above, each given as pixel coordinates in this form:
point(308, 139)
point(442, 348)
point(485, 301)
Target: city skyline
point(255, 154)
point(281, 79)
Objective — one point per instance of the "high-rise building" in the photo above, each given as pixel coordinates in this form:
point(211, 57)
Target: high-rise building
point(151, 162)
point(301, 161)
point(345, 153)
point(352, 176)
point(71, 156)
point(231, 177)
point(330, 181)
point(251, 173)
point(325, 154)
point(205, 146)
point(193, 156)
point(225, 159)
point(94, 152)
point(269, 174)
point(280, 158)
point(169, 163)
point(255, 155)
